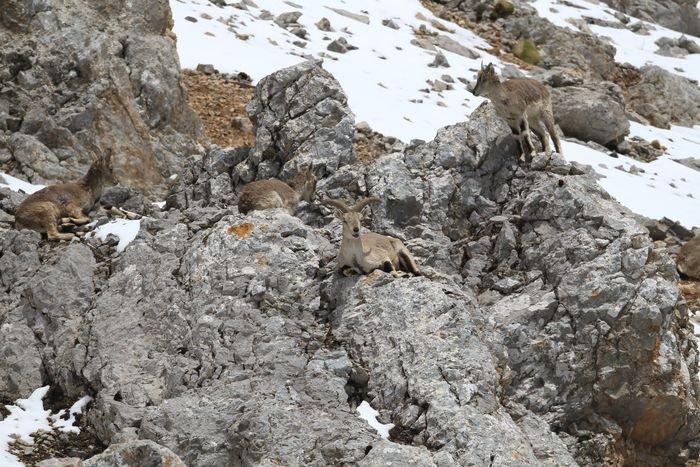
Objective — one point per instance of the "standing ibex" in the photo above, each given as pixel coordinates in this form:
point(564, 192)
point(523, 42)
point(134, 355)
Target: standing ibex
point(370, 251)
point(44, 210)
point(524, 103)
point(274, 193)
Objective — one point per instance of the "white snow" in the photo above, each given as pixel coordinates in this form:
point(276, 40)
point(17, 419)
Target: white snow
point(636, 49)
point(28, 416)
point(15, 184)
point(125, 229)
point(650, 193)
point(379, 79)
point(387, 71)
point(67, 425)
point(368, 414)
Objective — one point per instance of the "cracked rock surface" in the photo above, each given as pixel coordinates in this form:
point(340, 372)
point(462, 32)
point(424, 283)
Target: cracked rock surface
point(63, 102)
point(547, 329)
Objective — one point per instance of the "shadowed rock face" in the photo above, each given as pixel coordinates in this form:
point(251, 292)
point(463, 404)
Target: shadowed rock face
point(78, 76)
point(547, 329)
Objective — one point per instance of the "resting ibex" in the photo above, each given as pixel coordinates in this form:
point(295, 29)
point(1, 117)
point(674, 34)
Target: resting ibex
point(273, 193)
point(367, 252)
point(524, 103)
point(44, 210)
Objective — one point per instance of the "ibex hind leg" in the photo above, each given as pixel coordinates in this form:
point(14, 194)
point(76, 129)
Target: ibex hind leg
point(388, 267)
point(524, 134)
point(541, 134)
point(552, 130)
point(406, 263)
point(53, 234)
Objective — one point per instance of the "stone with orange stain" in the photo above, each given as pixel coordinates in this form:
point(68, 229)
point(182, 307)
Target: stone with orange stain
point(658, 423)
point(242, 230)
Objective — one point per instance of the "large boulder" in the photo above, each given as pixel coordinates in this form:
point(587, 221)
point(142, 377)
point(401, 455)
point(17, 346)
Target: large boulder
point(129, 454)
point(590, 115)
point(301, 119)
point(80, 77)
point(664, 98)
point(590, 55)
point(681, 15)
point(688, 259)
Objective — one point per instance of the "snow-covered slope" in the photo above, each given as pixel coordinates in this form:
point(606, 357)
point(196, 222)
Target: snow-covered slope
point(383, 78)
point(380, 78)
point(632, 47)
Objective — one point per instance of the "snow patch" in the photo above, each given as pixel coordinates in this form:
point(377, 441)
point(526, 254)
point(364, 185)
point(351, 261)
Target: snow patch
point(368, 414)
point(636, 49)
point(665, 188)
point(125, 229)
point(15, 184)
point(67, 426)
point(28, 416)
point(381, 78)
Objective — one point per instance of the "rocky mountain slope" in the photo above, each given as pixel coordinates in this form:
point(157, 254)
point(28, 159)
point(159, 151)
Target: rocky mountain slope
point(80, 76)
point(615, 89)
point(547, 329)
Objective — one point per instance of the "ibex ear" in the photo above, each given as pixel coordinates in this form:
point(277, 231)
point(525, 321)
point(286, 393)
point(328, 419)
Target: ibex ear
point(107, 159)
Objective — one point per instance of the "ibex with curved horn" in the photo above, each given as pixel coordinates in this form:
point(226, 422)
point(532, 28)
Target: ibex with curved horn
point(370, 251)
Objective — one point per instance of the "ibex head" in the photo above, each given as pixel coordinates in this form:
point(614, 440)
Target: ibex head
point(351, 216)
point(485, 80)
point(101, 170)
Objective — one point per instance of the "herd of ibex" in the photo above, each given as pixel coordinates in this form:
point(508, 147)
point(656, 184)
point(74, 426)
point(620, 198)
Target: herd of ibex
point(524, 103)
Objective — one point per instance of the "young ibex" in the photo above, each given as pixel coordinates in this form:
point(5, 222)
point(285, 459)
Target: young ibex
point(524, 103)
point(273, 193)
point(367, 252)
point(65, 202)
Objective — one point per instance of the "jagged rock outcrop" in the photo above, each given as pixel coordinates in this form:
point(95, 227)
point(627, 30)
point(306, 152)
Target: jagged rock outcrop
point(547, 329)
point(590, 115)
point(301, 119)
point(681, 15)
point(664, 98)
point(83, 75)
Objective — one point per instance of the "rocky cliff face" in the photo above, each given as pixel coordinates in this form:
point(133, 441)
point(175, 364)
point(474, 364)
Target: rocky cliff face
point(77, 77)
point(547, 329)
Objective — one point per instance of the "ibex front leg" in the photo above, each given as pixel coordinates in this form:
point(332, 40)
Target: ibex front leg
point(524, 134)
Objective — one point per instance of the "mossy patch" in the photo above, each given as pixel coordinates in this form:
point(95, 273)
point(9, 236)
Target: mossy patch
point(527, 51)
point(503, 8)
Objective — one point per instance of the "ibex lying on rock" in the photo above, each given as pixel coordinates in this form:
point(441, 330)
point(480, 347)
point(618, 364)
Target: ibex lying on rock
point(365, 253)
point(524, 103)
point(65, 202)
point(273, 193)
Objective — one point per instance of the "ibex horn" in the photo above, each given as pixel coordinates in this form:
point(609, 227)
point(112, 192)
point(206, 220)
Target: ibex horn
point(364, 202)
